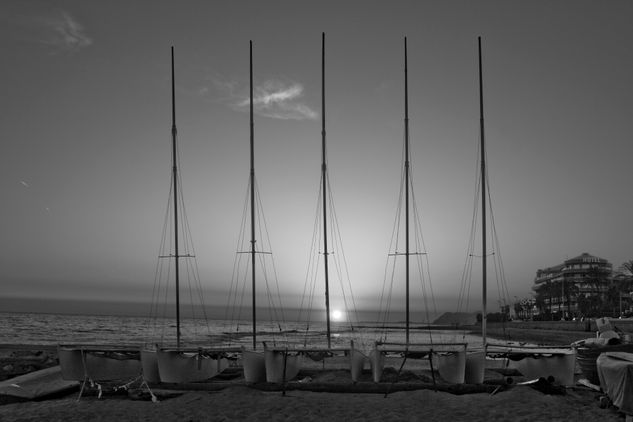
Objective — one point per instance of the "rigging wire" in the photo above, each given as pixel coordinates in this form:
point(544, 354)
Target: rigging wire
point(314, 260)
point(234, 290)
point(341, 264)
point(499, 271)
point(163, 270)
point(267, 270)
point(337, 258)
point(421, 263)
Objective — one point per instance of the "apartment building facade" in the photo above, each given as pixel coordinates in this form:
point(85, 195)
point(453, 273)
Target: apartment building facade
point(573, 288)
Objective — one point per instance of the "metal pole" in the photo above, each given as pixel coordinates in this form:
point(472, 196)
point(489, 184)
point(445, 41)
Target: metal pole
point(324, 181)
point(175, 176)
point(406, 184)
point(252, 184)
point(483, 200)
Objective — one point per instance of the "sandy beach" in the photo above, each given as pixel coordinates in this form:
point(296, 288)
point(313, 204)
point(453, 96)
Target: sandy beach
point(320, 392)
point(230, 399)
point(519, 403)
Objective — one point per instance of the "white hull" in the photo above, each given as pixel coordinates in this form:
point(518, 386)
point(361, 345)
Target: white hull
point(177, 366)
point(377, 362)
point(72, 364)
point(281, 366)
point(475, 367)
point(452, 366)
point(149, 363)
point(254, 366)
point(559, 365)
point(450, 363)
point(357, 361)
point(79, 364)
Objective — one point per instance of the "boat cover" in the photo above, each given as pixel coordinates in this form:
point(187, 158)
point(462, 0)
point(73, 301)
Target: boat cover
point(615, 370)
point(38, 384)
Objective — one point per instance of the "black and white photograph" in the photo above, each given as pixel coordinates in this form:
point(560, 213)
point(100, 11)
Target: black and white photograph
point(304, 210)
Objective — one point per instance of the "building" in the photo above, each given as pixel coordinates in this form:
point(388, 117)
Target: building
point(525, 309)
point(578, 287)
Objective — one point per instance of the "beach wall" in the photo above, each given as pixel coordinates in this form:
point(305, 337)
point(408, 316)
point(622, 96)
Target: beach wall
point(588, 325)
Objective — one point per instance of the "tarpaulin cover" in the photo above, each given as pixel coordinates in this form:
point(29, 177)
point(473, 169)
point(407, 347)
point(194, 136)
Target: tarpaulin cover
point(615, 370)
point(38, 384)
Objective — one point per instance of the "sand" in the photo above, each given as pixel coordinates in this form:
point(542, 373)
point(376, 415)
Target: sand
point(519, 403)
point(232, 400)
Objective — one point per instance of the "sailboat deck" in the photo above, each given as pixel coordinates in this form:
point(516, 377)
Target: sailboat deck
point(335, 350)
point(95, 348)
point(516, 350)
point(389, 347)
point(202, 349)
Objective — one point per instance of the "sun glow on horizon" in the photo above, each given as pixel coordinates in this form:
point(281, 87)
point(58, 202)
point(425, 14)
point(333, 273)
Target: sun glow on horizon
point(338, 315)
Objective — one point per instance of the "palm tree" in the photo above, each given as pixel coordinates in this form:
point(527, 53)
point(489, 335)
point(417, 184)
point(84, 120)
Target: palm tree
point(571, 291)
point(557, 290)
point(596, 278)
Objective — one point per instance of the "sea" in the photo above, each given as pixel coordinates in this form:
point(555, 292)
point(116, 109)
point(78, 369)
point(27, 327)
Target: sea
point(53, 329)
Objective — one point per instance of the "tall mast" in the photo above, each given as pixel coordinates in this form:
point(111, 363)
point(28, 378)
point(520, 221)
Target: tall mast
point(175, 181)
point(252, 184)
point(483, 199)
point(406, 182)
point(324, 180)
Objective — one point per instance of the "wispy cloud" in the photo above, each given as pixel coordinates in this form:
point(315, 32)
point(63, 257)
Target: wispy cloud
point(64, 33)
point(275, 99)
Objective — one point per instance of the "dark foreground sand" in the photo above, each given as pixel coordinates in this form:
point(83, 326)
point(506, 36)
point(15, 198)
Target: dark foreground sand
point(519, 403)
point(236, 401)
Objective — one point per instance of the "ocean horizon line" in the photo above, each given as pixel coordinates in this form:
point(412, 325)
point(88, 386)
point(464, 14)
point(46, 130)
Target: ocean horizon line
point(214, 312)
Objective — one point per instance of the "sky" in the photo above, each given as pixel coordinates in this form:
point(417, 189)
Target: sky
point(86, 117)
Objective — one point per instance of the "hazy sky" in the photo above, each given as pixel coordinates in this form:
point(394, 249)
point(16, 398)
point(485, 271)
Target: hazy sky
point(85, 112)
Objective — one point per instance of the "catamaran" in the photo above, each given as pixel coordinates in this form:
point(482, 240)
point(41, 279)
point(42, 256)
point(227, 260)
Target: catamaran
point(449, 357)
point(260, 362)
point(324, 227)
point(531, 361)
point(177, 363)
point(99, 363)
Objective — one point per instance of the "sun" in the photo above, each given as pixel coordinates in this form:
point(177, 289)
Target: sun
point(337, 315)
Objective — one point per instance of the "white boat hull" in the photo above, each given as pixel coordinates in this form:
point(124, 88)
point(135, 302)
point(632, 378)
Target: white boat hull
point(281, 366)
point(71, 362)
point(149, 364)
point(176, 366)
point(560, 366)
point(79, 364)
point(357, 363)
point(254, 366)
point(377, 362)
point(475, 367)
point(452, 366)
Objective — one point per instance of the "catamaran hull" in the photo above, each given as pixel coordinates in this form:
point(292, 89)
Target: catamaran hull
point(475, 367)
point(377, 362)
point(176, 366)
point(78, 364)
point(149, 364)
point(452, 366)
point(72, 364)
point(281, 366)
point(254, 366)
point(560, 366)
point(357, 364)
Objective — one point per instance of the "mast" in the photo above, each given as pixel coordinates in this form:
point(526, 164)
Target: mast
point(252, 184)
point(324, 181)
point(406, 183)
point(175, 181)
point(483, 199)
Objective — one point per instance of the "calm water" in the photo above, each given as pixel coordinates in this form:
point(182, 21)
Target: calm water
point(52, 329)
